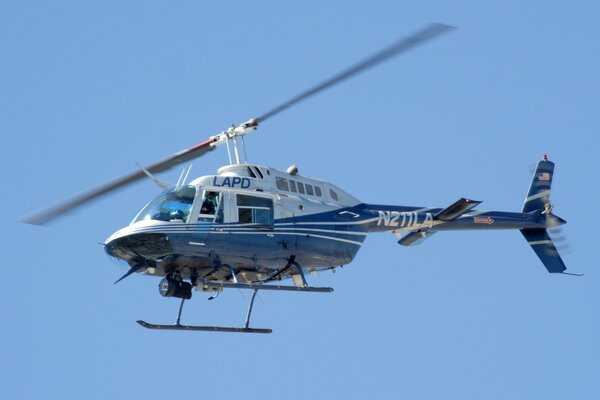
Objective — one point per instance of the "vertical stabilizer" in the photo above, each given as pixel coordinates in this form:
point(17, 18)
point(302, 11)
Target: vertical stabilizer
point(539, 190)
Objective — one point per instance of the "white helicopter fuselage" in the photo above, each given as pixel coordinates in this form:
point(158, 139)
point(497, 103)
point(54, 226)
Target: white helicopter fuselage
point(250, 218)
point(250, 222)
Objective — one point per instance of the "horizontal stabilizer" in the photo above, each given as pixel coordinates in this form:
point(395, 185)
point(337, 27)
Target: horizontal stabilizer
point(544, 247)
point(456, 209)
point(415, 238)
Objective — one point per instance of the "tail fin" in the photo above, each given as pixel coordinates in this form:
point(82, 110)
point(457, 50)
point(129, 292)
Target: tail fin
point(538, 196)
point(544, 247)
point(538, 199)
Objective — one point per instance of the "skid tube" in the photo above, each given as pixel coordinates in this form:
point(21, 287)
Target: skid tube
point(232, 329)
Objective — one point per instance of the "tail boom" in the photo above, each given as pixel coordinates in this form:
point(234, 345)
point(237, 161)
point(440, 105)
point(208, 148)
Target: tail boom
point(412, 224)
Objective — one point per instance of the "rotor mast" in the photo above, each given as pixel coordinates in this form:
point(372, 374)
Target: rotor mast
point(232, 134)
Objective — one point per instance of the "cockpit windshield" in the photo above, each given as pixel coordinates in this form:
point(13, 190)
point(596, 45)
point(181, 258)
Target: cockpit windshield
point(174, 205)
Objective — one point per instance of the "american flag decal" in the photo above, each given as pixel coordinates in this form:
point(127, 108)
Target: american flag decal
point(544, 176)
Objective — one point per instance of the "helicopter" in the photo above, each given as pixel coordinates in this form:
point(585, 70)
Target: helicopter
point(252, 226)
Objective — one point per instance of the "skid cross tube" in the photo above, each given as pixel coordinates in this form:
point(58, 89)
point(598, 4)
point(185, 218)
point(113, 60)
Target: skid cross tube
point(291, 264)
point(179, 313)
point(228, 268)
point(301, 273)
point(247, 322)
point(261, 285)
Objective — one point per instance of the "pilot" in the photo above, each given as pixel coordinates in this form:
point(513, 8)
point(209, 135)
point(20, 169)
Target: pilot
point(208, 205)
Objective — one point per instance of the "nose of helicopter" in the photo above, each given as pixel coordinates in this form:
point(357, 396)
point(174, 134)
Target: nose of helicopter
point(129, 244)
point(114, 245)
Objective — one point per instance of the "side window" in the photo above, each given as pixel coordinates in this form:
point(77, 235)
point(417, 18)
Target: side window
point(309, 190)
point(300, 187)
point(254, 210)
point(211, 207)
point(333, 195)
point(281, 183)
point(318, 191)
point(293, 186)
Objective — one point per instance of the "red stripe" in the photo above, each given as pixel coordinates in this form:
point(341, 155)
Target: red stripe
point(206, 142)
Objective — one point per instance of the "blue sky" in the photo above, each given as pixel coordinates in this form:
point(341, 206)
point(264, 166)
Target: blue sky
point(89, 88)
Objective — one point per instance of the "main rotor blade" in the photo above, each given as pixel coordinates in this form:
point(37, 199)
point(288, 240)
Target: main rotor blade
point(47, 215)
point(399, 47)
point(427, 33)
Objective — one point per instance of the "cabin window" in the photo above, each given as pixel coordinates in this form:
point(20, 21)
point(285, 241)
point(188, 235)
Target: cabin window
point(333, 195)
point(309, 190)
point(281, 183)
point(254, 210)
point(318, 191)
point(293, 186)
point(301, 187)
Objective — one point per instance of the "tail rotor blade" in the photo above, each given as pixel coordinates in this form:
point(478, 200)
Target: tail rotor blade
point(560, 240)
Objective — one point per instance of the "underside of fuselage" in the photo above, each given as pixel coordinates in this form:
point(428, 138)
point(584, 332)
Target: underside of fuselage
point(212, 251)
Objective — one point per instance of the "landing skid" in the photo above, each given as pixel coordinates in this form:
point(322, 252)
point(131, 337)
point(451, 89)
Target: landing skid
point(173, 286)
point(202, 328)
point(179, 327)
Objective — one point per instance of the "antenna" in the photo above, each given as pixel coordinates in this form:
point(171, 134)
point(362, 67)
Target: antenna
point(186, 174)
point(178, 184)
